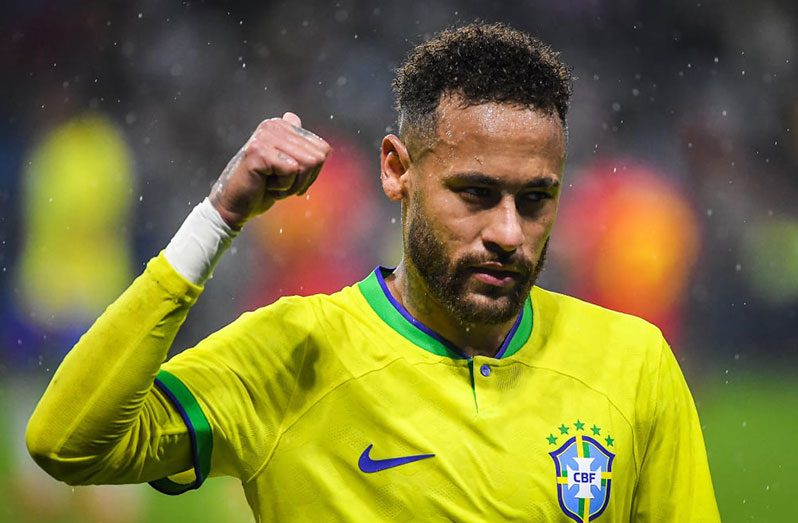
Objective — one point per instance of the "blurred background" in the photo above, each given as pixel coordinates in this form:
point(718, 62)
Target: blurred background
point(681, 202)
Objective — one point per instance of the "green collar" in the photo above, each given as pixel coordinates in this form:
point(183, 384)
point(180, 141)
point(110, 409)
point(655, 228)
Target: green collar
point(399, 319)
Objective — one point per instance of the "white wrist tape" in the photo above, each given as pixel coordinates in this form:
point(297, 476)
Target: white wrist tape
point(199, 244)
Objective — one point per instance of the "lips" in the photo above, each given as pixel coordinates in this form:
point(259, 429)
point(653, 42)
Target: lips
point(499, 277)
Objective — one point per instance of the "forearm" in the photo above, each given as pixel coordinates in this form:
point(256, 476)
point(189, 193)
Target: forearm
point(101, 402)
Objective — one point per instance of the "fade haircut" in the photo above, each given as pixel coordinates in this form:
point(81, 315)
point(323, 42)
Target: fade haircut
point(478, 63)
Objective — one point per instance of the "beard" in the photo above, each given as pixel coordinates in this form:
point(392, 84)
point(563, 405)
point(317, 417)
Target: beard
point(447, 280)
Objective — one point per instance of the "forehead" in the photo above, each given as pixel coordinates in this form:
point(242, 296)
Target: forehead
point(497, 132)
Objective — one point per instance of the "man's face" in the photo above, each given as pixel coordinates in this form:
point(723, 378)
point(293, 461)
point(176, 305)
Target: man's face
point(480, 207)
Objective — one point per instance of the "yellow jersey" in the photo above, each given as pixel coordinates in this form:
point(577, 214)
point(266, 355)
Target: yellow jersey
point(345, 407)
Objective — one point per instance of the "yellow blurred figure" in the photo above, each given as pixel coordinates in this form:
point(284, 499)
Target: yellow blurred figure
point(77, 186)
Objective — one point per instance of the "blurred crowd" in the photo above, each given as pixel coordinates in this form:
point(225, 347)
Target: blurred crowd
point(681, 189)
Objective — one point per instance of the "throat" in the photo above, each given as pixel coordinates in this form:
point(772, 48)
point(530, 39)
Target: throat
point(469, 339)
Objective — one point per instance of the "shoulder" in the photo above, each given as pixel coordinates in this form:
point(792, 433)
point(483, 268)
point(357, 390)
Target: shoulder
point(293, 320)
point(307, 311)
point(578, 321)
point(617, 354)
point(273, 338)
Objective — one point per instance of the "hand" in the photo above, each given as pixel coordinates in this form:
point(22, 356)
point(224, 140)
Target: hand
point(279, 159)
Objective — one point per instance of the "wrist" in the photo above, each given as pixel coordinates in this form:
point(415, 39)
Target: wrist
point(233, 220)
point(200, 242)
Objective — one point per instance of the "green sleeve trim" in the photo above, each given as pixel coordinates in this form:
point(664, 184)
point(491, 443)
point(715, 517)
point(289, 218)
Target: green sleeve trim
point(199, 431)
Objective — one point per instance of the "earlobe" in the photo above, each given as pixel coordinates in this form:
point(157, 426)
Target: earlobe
point(394, 165)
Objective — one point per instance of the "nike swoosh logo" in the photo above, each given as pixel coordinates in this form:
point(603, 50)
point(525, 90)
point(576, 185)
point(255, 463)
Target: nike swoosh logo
point(369, 465)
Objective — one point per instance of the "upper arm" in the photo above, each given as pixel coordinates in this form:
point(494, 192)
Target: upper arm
point(238, 383)
point(674, 482)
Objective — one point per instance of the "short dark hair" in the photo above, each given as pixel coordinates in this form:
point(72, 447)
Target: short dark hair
point(480, 63)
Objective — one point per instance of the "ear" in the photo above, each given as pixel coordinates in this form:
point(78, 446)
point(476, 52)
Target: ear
point(394, 166)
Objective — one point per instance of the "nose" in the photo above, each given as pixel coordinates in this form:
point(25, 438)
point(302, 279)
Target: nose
point(503, 231)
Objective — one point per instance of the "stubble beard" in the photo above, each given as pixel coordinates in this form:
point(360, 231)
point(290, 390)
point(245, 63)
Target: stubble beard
point(447, 281)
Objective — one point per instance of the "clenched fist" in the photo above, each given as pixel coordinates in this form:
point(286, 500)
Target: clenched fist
point(279, 159)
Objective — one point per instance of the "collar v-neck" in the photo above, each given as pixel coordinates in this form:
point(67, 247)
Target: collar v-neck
point(392, 312)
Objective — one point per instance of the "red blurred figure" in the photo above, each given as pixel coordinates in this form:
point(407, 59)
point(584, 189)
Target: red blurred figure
point(628, 238)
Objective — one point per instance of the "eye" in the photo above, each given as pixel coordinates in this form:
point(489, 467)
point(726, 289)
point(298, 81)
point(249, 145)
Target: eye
point(476, 192)
point(535, 196)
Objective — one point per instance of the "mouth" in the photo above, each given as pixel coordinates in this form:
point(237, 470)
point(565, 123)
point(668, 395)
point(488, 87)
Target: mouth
point(496, 275)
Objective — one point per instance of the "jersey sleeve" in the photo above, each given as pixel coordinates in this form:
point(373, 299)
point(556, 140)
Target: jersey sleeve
point(674, 482)
point(100, 419)
point(234, 387)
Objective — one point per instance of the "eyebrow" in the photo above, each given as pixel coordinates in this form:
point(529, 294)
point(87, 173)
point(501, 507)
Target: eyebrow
point(480, 178)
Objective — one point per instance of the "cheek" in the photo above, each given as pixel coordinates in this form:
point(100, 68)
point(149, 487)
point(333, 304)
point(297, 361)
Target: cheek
point(538, 231)
point(449, 218)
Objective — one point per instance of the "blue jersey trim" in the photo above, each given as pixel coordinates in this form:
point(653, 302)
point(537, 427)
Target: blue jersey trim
point(375, 290)
point(380, 272)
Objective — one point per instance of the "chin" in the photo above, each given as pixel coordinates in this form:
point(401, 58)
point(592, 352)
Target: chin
point(487, 310)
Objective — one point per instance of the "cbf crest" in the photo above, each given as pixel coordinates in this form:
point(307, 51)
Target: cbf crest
point(583, 468)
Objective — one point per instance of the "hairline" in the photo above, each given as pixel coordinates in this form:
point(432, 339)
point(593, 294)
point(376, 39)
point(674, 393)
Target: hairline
point(426, 127)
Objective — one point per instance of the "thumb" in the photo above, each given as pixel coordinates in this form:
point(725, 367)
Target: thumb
point(292, 119)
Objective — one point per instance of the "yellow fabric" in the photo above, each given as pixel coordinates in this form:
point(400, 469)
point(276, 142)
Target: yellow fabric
point(297, 391)
point(100, 419)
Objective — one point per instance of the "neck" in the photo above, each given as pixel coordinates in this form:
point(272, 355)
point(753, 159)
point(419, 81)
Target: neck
point(472, 339)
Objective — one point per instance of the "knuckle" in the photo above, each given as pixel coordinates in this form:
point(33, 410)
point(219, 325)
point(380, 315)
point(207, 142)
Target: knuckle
point(252, 148)
point(268, 124)
point(292, 168)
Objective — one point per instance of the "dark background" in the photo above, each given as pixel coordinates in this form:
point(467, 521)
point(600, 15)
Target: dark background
point(681, 205)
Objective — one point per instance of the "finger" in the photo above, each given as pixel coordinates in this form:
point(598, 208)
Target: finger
point(310, 165)
point(293, 119)
point(309, 181)
point(307, 157)
point(308, 149)
point(301, 131)
point(281, 183)
point(275, 166)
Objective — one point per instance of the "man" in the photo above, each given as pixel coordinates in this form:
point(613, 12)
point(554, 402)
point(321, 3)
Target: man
point(449, 387)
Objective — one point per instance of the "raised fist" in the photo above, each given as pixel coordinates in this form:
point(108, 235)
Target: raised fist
point(279, 159)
